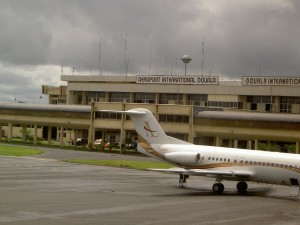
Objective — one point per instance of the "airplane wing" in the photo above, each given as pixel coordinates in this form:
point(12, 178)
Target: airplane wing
point(200, 172)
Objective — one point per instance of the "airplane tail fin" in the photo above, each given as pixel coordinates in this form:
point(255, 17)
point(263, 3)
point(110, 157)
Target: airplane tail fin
point(148, 127)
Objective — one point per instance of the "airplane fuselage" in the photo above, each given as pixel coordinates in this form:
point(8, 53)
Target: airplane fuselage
point(217, 162)
point(264, 166)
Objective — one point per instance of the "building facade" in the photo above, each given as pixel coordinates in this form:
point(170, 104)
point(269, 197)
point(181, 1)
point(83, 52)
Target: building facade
point(258, 94)
point(180, 102)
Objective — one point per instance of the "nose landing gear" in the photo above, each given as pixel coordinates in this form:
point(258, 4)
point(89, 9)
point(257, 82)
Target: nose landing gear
point(182, 179)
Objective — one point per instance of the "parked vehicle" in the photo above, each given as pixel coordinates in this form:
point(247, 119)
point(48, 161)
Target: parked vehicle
point(81, 141)
point(98, 142)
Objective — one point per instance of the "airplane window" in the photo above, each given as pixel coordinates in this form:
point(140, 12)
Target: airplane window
point(251, 162)
point(213, 158)
point(234, 161)
point(224, 160)
point(208, 158)
point(220, 159)
point(241, 161)
point(217, 159)
point(228, 160)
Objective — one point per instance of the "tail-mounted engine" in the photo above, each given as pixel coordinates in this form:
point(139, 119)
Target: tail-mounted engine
point(183, 157)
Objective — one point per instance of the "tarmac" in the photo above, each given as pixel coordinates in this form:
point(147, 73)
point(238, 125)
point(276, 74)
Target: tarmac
point(44, 190)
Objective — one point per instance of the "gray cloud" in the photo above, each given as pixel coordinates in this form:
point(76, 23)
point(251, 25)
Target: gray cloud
point(241, 37)
point(18, 88)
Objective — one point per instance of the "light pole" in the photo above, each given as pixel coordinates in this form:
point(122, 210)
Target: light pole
point(185, 59)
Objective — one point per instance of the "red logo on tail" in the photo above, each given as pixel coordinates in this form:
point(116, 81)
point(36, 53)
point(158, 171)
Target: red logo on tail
point(153, 133)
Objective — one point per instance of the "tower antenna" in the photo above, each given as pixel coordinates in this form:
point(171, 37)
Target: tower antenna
point(100, 72)
point(150, 59)
point(125, 52)
point(202, 64)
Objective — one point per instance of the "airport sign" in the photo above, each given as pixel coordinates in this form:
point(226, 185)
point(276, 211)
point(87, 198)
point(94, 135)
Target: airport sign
point(271, 81)
point(187, 80)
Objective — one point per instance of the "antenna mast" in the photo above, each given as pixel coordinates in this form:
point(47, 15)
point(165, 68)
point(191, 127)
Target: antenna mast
point(100, 72)
point(202, 64)
point(150, 59)
point(125, 56)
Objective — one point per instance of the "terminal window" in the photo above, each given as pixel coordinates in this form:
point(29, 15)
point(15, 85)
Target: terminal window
point(170, 99)
point(119, 97)
point(144, 98)
point(173, 118)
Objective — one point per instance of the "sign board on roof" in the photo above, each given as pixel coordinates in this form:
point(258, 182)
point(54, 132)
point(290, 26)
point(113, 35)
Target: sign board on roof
point(271, 81)
point(160, 79)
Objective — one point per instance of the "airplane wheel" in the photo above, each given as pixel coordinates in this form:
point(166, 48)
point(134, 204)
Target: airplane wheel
point(218, 188)
point(242, 186)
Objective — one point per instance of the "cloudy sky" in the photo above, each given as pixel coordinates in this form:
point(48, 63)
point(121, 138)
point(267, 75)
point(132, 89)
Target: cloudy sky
point(240, 37)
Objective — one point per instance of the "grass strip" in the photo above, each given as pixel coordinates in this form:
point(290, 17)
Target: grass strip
point(19, 151)
point(140, 165)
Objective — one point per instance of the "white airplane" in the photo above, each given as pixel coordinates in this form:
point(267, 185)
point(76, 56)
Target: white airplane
point(219, 162)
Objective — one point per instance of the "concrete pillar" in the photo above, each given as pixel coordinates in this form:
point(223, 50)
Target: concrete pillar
point(122, 131)
point(191, 125)
point(255, 144)
point(24, 129)
point(184, 100)
point(297, 147)
point(249, 144)
point(49, 134)
point(268, 145)
point(75, 135)
point(156, 99)
point(221, 142)
point(230, 145)
point(106, 96)
point(10, 130)
point(35, 134)
point(217, 141)
point(84, 98)
point(91, 135)
point(235, 143)
point(131, 100)
point(61, 137)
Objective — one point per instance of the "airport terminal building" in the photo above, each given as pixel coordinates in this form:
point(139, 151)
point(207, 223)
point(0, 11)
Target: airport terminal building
point(206, 110)
point(198, 109)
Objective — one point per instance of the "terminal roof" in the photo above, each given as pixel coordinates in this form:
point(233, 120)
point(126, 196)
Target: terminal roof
point(46, 107)
point(249, 116)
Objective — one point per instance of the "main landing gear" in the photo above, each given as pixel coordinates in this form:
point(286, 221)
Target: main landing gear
point(218, 187)
point(242, 187)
